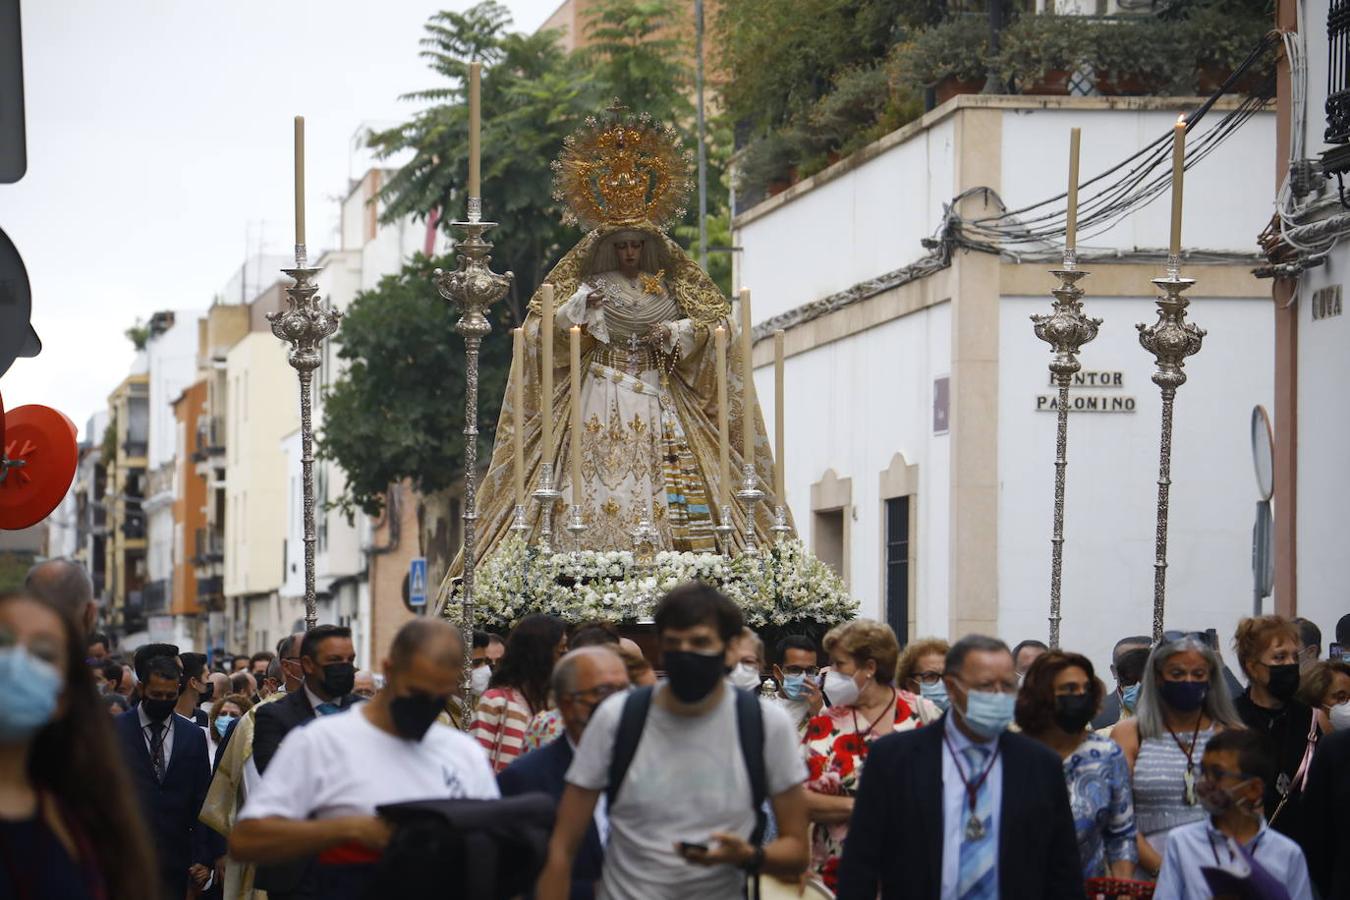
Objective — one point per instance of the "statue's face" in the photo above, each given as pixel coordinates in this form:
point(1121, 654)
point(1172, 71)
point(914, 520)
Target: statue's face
point(629, 252)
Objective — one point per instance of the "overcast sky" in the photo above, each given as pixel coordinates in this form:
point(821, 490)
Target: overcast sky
point(159, 136)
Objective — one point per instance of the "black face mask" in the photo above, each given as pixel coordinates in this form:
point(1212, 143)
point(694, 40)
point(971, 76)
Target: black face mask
point(339, 679)
point(1073, 712)
point(692, 675)
point(158, 710)
point(207, 692)
point(415, 713)
point(1284, 680)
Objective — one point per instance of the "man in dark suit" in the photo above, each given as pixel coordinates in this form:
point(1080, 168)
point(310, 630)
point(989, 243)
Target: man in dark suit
point(962, 809)
point(1326, 830)
point(581, 681)
point(329, 663)
point(167, 759)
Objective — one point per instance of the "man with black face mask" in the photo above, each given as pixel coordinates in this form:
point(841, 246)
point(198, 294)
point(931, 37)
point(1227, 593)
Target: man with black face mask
point(193, 688)
point(329, 663)
point(167, 759)
point(320, 793)
point(678, 763)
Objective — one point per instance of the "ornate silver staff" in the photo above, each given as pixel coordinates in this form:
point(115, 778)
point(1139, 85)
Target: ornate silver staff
point(472, 288)
point(1171, 340)
point(1066, 330)
point(304, 324)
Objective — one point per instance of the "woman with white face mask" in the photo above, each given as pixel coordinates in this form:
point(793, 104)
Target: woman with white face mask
point(864, 704)
point(1326, 688)
point(745, 661)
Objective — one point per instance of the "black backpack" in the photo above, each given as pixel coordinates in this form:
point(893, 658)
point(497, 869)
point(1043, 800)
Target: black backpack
point(487, 849)
point(749, 729)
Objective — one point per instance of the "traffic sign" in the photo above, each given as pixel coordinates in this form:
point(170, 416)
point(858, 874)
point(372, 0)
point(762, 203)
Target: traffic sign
point(417, 582)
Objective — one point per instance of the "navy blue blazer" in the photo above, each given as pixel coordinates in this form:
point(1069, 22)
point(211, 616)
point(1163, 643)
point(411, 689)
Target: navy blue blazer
point(544, 770)
point(895, 836)
point(171, 806)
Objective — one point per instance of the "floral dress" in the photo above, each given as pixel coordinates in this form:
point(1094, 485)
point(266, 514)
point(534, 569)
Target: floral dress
point(835, 745)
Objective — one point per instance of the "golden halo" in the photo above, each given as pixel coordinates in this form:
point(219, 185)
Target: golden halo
point(621, 170)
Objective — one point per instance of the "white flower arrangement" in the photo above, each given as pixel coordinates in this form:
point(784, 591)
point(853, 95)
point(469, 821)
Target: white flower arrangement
point(786, 584)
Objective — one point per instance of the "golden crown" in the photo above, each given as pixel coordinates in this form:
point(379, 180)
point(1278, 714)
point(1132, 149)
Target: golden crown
point(624, 170)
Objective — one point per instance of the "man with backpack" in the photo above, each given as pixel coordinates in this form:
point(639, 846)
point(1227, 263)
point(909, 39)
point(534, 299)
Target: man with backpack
point(686, 767)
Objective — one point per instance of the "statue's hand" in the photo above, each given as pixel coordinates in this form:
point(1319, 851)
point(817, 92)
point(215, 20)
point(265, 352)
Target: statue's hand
point(657, 335)
point(594, 300)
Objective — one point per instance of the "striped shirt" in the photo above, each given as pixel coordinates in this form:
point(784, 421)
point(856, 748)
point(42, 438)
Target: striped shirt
point(499, 724)
point(1160, 782)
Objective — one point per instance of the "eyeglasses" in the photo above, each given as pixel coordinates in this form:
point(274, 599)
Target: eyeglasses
point(801, 670)
point(992, 687)
point(1214, 773)
point(927, 677)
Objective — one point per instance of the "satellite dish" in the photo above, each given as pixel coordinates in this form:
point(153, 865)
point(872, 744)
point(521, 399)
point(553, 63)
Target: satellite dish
point(17, 337)
point(1263, 452)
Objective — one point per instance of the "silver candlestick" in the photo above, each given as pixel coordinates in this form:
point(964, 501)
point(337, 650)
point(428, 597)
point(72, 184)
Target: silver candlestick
point(749, 495)
point(575, 526)
point(780, 527)
point(1066, 330)
point(1171, 340)
point(723, 531)
point(645, 541)
point(546, 495)
point(472, 288)
point(518, 523)
point(304, 324)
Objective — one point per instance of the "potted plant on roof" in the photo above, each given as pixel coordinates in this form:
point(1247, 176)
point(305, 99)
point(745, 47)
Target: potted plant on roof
point(1037, 53)
point(951, 58)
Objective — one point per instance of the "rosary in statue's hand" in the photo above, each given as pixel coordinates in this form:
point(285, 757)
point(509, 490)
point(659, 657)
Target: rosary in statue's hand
point(657, 335)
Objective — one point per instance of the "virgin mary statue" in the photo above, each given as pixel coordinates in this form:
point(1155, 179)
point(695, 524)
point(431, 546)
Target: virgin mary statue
point(647, 314)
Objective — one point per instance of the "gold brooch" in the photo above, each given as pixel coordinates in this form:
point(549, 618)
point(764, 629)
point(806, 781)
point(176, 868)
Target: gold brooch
point(652, 284)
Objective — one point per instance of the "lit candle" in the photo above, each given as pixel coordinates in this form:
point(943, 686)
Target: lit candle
point(299, 179)
point(575, 335)
point(475, 128)
point(1071, 235)
point(778, 479)
point(747, 384)
point(518, 404)
point(1178, 173)
point(546, 371)
point(723, 431)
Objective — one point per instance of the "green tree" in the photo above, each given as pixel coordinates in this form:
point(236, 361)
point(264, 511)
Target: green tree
point(639, 53)
point(398, 410)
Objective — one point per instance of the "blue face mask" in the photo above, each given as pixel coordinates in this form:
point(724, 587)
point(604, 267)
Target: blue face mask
point(936, 693)
point(989, 713)
point(794, 686)
point(28, 702)
point(1129, 697)
point(223, 724)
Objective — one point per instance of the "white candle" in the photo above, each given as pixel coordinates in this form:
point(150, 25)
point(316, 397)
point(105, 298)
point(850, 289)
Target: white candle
point(723, 430)
point(575, 335)
point(1071, 235)
point(518, 404)
point(475, 128)
point(299, 179)
point(778, 480)
point(546, 371)
point(1178, 174)
point(747, 384)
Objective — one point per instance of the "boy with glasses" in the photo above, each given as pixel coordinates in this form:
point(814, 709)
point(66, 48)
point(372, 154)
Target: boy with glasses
point(1233, 851)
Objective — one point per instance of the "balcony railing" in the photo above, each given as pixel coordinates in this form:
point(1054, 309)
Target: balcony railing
point(210, 546)
point(208, 588)
point(210, 438)
point(134, 448)
point(1338, 72)
point(156, 597)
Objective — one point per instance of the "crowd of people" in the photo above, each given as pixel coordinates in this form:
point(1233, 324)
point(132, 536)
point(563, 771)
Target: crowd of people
point(700, 764)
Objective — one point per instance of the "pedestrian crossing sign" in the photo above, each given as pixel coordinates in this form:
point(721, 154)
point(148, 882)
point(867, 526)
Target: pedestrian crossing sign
point(417, 582)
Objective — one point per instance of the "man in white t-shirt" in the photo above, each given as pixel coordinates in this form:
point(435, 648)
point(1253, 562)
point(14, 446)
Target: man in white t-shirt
point(319, 795)
point(683, 813)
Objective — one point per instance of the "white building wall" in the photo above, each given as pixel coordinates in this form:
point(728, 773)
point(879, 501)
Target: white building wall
point(858, 226)
point(1111, 489)
point(172, 359)
point(851, 406)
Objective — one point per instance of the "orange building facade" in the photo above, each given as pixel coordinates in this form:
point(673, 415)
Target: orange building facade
point(189, 505)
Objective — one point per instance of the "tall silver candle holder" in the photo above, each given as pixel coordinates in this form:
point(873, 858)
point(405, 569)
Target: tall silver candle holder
point(519, 524)
point(304, 324)
point(546, 495)
point(1171, 340)
point(576, 526)
point(472, 288)
point(1066, 329)
point(749, 495)
point(780, 527)
point(646, 539)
